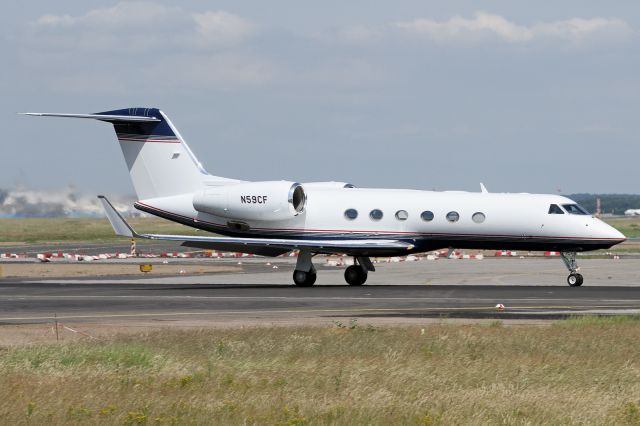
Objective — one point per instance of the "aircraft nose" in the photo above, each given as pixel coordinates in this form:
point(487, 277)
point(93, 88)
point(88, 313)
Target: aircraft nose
point(612, 233)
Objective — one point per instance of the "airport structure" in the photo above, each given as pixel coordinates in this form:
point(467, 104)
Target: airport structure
point(275, 217)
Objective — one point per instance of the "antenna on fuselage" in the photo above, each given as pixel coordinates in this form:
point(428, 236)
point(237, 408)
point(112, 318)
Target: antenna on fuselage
point(483, 188)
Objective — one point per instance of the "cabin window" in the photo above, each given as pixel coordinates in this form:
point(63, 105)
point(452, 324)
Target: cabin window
point(555, 209)
point(453, 216)
point(402, 215)
point(478, 217)
point(351, 214)
point(376, 214)
point(427, 216)
point(574, 209)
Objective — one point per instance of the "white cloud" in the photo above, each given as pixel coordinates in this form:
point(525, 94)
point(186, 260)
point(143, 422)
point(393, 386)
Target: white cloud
point(577, 29)
point(128, 45)
point(139, 26)
point(462, 28)
point(222, 26)
point(121, 15)
point(491, 26)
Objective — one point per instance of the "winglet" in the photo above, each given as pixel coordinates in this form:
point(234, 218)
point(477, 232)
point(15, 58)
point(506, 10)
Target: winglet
point(120, 226)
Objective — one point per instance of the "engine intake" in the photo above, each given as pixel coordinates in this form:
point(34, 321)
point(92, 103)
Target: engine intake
point(253, 200)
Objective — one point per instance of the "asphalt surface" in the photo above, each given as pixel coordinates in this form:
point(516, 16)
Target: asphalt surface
point(396, 292)
point(128, 301)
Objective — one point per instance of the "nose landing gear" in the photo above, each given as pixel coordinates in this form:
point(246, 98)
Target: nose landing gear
point(575, 280)
point(569, 258)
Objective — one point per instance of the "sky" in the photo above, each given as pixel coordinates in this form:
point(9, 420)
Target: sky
point(524, 96)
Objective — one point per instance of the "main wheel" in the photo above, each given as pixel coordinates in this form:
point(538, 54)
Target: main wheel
point(575, 280)
point(304, 279)
point(355, 275)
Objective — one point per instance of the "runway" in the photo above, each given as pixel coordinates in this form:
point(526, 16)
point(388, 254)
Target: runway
point(36, 303)
point(408, 292)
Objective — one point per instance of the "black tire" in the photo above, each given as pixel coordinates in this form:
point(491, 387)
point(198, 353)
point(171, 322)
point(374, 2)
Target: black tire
point(304, 279)
point(575, 280)
point(355, 275)
point(311, 279)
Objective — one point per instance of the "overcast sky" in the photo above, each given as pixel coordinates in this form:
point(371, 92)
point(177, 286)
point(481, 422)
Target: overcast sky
point(523, 96)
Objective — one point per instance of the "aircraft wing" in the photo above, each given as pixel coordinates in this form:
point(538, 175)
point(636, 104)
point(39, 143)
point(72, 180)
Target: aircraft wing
point(262, 246)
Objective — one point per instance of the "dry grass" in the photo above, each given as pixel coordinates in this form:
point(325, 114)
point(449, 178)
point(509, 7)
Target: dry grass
point(75, 270)
point(629, 226)
point(63, 229)
point(574, 372)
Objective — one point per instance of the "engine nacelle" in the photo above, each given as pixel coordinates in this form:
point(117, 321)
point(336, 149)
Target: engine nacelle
point(276, 200)
point(328, 185)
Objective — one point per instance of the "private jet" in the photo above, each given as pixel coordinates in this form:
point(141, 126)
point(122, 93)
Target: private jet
point(272, 218)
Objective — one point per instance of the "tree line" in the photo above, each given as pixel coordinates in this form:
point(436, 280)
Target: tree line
point(609, 203)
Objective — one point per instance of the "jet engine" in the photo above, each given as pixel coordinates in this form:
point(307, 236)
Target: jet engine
point(276, 200)
point(328, 185)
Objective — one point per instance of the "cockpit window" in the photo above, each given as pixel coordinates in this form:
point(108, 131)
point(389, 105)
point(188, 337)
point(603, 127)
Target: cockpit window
point(575, 209)
point(555, 209)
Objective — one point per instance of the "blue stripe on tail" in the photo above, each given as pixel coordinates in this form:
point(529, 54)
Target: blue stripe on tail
point(156, 131)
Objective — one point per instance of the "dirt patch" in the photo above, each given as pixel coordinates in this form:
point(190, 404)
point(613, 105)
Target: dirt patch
point(52, 270)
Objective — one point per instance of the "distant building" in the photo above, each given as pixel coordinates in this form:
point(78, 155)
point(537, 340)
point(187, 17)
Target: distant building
point(22, 203)
point(632, 212)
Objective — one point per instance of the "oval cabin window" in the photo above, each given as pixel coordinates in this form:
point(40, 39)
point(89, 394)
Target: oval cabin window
point(478, 217)
point(376, 214)
point(351, 214)
point(402, 215)
point(453, 216)
point(427, 216)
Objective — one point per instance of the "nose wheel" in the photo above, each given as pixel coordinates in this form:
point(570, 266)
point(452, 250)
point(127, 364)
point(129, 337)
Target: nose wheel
point(574, 279)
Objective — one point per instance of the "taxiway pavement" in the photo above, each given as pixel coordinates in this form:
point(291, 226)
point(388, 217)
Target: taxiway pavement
point(401, 292)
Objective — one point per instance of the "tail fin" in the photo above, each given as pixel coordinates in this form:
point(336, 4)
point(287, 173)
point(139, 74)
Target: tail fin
point(159, 160)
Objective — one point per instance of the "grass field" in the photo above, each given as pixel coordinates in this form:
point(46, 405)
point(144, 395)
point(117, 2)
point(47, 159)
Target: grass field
point(88, 230)
point(629, 226)
point(64, 230)
point(582, 371)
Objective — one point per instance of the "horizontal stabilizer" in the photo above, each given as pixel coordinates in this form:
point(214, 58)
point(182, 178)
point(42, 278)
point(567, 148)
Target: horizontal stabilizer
point(102, 117)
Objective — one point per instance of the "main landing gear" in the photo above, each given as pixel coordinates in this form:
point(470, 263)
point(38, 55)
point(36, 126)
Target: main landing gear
point(304, 279)
point(305, 273)
point(569, 258)
point(355, 275)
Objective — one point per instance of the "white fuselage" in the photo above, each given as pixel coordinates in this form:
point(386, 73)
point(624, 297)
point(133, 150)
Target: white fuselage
point(519, 221)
